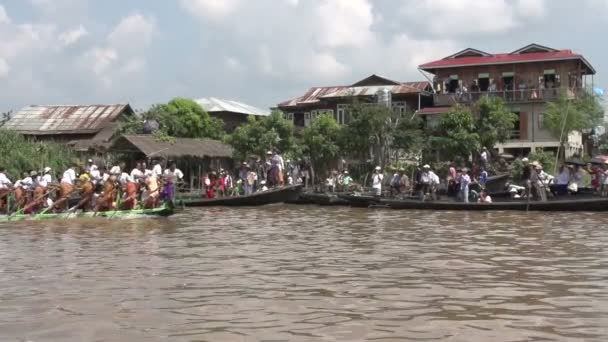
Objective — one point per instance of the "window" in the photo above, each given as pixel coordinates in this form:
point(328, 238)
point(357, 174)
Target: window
point(289, 116)
point(306, 119)
point(399, 108)
point(541, 120)
point(341, 114)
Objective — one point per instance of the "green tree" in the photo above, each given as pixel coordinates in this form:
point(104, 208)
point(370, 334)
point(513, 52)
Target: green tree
point(493, 121)
point(258, 135)
point(368, 133)
point(18, 154)
point(456, 134)
point(321, 141)
point(565, 115)
point(179, 118)
point(408, 135)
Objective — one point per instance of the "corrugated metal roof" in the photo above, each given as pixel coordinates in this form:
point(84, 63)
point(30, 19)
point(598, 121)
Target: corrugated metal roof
point(45, 120)
point(211, 104)
point(178, 147)
point(372, 90)
point(314, 94)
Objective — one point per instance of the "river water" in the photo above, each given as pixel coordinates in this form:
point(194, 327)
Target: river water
point(305, 273)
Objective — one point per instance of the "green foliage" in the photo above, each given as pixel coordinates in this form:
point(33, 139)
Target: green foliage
point(259, 135)
point(494, 121)
point(369, 129)
point(179, 118)
point(567, 115)
point(18, 154)
point(321, 141)
point(456, 134)
point(408, 134)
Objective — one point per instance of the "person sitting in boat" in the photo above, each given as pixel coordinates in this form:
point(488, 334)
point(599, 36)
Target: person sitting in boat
point(483, 177)
point(21, 187)
point(425, 182)
point(66, 187)
point(37, 200)
point(452, 179)
point(107, 198)
point(152, 190)
point(117, 170)
point(137, 174)
point(172, 177)
point(157, 169)
point(484, 197)
point(576, 179)
point(347, 180)
point(604, 188)
point(87, 191)
point(211, 184)
point(5, 187)
point(130, 185)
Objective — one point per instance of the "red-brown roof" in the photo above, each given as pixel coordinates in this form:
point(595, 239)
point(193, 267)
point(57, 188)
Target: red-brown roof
point(505, 58)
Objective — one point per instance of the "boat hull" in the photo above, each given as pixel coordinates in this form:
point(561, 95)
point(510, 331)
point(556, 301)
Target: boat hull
point(280, 195)
point(163, 211)
point(570, 204)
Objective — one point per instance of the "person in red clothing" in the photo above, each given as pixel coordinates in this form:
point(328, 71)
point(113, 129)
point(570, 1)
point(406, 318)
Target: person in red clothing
point(221, 183)
point(210, 184)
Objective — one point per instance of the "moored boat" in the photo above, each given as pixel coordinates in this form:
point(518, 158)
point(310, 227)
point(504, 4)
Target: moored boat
point(164, 210)
point(322, 198)
point(569, 203)
point(278, 195)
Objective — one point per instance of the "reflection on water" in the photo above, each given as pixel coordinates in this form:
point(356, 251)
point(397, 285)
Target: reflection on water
point(287, 273)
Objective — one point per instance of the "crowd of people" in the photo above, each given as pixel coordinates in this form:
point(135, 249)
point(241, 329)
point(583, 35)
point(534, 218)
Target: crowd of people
point(98, 188)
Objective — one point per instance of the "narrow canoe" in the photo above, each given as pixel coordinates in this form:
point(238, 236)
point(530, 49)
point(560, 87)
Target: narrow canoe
point(166, 209)
point(570, 203)
point(279, 195)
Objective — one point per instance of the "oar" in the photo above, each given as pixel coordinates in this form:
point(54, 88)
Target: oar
point(18, 212)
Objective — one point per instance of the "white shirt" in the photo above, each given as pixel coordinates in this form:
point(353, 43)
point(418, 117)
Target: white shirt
point(68, 176)
point(45, 180)
point(434, 178)
point(425, 177)
point(157, 170)
point(176, 175)
point(377, 180)
point(136, 174)
point(4, 181)
point(27, 182)
point(465, 180)
point(484, 155)
point(95, 175)
point(105, 177)
point(124, 178)
point(115, 170)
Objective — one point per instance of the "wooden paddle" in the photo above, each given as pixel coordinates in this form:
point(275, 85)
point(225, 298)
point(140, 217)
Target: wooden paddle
point(20, 211)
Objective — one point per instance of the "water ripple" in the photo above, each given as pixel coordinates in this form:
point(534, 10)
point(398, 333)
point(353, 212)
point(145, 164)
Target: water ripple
point(287, 273)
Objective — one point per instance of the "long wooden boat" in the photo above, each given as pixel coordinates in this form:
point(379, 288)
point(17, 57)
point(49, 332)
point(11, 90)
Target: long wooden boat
point(278, 195)
point(165, 210)
point(564, 203)
point(321, 198)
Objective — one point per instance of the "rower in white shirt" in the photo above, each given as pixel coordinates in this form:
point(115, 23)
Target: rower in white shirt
point(157, 170)
point(5, 186)
point(46, 178)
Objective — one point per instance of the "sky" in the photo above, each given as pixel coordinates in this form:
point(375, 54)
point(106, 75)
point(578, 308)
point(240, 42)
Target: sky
point(264, 51)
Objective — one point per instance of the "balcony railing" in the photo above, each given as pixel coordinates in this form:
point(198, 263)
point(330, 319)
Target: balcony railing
point(515, 135)
point(511, 96)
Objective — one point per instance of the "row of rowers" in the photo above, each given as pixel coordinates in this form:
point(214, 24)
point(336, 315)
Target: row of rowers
point(100, 188)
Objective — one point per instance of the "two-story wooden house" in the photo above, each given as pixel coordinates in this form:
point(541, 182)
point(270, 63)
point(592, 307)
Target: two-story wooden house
point(405, 96)
point(526, 79)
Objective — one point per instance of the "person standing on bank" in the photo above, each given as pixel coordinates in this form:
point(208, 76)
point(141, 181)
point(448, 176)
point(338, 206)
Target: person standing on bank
point(377, 178)
point(465, 180)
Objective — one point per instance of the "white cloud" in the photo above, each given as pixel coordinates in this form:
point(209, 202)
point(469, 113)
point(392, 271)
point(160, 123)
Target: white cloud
point(4, 68)
point(4, 19)
point(456, 18)
point(72, 36)
point(210, 9)
point(133, 32)
point(124, 50)
point(344, 22)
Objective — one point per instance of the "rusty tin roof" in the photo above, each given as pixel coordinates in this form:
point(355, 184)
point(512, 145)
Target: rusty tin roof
point(47, 120)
